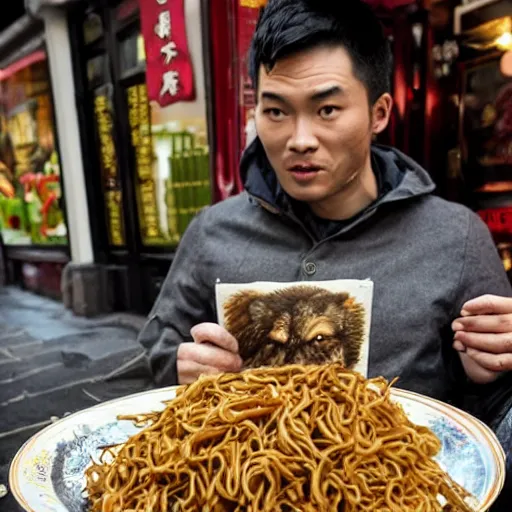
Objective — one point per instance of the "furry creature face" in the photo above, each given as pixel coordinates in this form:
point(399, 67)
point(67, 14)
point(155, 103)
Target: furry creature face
point(302, 324)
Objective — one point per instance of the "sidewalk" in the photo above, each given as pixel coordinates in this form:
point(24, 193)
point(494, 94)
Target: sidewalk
point(53, 364)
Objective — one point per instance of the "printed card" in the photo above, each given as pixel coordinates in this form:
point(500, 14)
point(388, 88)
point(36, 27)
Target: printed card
point(299, 323)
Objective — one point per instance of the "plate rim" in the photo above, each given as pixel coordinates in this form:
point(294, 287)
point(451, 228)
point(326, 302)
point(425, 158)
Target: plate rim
point(498, 453)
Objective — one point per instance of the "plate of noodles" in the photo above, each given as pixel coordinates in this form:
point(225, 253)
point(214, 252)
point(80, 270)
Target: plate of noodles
point(293, 438)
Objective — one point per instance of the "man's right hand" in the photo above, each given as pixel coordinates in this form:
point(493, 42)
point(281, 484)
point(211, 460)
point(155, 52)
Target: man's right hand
point(214, 350)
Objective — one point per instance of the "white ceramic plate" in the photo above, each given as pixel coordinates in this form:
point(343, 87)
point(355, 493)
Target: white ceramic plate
point(47, 474)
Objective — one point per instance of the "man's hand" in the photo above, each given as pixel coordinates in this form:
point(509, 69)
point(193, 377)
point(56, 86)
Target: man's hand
point(214, 351)
point(483, 337)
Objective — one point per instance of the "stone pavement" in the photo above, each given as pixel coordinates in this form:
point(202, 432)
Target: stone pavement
point(53, 364)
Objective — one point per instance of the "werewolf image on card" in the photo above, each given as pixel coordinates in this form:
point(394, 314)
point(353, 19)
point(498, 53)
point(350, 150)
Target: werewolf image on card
point(297, 325)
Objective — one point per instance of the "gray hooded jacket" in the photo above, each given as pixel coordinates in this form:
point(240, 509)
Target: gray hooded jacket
point(426, 257)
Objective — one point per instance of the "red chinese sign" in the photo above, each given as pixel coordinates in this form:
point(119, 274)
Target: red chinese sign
point(169, 73)
point(498, 220)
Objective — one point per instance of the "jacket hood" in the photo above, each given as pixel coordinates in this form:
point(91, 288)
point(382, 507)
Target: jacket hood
point(261, 182)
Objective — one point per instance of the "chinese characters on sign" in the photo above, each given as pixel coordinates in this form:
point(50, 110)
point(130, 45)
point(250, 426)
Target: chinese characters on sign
point(140, 125)
point(108, 161)
point(169, 50)
point(163, 27)
point(169, 73)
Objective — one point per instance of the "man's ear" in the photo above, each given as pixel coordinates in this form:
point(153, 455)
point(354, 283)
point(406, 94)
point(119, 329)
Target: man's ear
point(381, 112)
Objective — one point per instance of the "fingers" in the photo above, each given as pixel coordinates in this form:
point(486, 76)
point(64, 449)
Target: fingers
point(477, 373)
point(501, 323)
point(210, 355)
point(189, 371)
point(487, 304)
point(485, 342)
point(483, 337)
point(216, 335)
point(495, 363)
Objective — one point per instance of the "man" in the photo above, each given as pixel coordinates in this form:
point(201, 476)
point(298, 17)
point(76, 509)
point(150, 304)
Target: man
point(322, 203)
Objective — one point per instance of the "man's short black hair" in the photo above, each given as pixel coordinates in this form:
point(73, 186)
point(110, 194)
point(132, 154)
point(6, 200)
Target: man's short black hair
point(286, 27)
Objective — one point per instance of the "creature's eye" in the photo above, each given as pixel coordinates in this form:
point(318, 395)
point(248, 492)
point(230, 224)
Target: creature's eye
point(319, 338)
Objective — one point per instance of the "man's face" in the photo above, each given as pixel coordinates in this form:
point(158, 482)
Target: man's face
point(315, 123)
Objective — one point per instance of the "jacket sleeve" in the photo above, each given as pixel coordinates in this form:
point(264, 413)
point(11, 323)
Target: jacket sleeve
point(183, 302)
point(482, 273)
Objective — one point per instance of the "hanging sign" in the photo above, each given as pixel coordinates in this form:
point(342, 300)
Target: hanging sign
point(169, 72)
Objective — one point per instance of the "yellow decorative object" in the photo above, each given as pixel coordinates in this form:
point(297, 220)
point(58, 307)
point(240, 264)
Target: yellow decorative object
point(495, 34)
point(253, 4)
point(504, 42)
point(488, 115)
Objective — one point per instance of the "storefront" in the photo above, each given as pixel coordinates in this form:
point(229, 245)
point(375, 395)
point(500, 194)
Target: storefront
point(163, 107)
point(148, 166)
point(484, 73)
point(33, 222)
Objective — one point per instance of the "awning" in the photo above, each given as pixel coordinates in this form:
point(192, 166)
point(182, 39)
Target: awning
point(22, 63)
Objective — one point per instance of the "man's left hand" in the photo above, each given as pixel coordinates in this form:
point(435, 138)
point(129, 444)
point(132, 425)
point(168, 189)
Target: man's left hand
point(483, 337)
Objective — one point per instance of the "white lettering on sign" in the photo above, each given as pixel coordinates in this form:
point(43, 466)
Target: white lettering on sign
point(163, 27)
point(170, 51)
point(170, 83)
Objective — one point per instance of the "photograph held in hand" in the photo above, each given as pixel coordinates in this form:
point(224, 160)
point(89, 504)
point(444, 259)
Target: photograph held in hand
point(296, 323)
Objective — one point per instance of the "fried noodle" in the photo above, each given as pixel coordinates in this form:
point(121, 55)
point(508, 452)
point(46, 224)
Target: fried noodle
point(293, 438)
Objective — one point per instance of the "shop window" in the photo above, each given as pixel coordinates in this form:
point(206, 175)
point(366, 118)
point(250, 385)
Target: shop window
point(172, 164)
point(31, 210)
point(132, 52)
point(486, 126)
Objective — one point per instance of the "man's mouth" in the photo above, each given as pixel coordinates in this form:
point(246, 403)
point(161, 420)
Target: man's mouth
point(304, 173)
point(304, 168)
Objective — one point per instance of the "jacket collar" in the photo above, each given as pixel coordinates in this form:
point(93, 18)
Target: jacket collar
point(402, 176)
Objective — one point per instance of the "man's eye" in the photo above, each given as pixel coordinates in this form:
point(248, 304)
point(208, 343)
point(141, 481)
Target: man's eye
point(329, 111)
point(274, 113)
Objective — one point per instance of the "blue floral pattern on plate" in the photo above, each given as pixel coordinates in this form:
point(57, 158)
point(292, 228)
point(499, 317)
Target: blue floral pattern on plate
point(47, 474)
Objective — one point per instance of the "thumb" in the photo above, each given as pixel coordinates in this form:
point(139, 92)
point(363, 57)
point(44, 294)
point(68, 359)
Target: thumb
point(215, 335)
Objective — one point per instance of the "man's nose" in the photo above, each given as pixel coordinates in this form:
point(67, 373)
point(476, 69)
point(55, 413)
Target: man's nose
point(303, 139)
